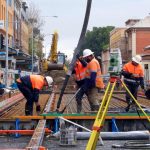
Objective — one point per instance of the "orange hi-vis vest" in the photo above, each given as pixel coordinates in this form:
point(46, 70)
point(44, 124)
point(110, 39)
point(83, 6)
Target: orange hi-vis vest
point(137, 71)
point(32, 81)
point(94, 66)
point(37, 81)
point(79, 71)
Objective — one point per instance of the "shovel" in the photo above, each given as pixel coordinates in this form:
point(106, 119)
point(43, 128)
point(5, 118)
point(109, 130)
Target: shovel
point(69, 102)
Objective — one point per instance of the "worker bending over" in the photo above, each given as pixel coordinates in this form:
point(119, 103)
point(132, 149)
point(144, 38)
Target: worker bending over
point(79, 74)
point(133, 77)
point(93, 82)
point(30, 87)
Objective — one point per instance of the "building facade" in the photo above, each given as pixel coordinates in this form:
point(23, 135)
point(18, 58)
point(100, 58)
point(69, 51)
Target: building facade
point(17, 24)
point(105, 61)
point(24, 29)
point(132, 40)
point(10, 20)
point(118, 40)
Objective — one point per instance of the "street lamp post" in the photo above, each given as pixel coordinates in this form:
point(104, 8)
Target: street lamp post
point(32, 21)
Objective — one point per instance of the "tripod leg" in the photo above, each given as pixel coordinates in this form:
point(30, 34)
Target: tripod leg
point(136, 102)
point(100, 118)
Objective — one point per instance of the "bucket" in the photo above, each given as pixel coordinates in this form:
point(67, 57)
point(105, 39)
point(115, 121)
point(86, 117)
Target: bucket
point(68, 136)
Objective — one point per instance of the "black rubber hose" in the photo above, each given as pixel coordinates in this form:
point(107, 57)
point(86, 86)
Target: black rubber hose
point(78, 48)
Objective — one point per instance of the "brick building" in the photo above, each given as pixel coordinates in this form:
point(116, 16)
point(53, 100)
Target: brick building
point(132, 40)
point(138, 37)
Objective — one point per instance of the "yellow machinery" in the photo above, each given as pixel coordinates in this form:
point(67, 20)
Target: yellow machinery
point(100, 118)
point(56, 60)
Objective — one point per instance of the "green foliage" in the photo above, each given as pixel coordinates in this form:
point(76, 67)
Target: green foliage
point(37, 47)
point(98, 39)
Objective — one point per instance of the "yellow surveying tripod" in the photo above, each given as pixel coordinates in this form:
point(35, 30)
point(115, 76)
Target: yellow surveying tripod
point(100, 118)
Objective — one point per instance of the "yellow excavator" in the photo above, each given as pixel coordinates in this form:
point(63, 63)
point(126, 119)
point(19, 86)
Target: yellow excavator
point(56, 60)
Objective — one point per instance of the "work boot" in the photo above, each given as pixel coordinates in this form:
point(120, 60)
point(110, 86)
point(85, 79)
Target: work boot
point(28, 110)
point(79, 107)
point(28, 113)
point(127, 108)
point(38, 108)
point(94, 107)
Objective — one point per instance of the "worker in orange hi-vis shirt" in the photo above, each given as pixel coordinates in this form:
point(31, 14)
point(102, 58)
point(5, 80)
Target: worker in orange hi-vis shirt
point(93, 82)
point(133, 77)
point(30, 87)
point(79, 74)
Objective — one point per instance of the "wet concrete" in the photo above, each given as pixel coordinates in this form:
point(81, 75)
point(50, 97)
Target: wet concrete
point(10, 142)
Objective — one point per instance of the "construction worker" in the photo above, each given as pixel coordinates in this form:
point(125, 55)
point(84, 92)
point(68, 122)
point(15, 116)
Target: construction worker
point(30, 87)
point(93, 82)
point(133, 77)
point(79, 74)
point(79, 71)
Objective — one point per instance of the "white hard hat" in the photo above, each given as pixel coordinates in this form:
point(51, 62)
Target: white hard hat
point(137, 59)
point(49, 80)
point(87, 52)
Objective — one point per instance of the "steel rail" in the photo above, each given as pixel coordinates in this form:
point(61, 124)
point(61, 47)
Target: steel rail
point(49, 103)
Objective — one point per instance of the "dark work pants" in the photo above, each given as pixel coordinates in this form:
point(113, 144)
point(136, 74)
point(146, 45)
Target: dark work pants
point(133, 87)
point(27, 93)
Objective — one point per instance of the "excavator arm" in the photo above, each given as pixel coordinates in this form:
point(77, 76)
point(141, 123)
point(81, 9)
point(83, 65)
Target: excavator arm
point(56, 60)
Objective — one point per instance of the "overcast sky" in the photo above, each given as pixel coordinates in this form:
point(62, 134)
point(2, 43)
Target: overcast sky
point(71, 14)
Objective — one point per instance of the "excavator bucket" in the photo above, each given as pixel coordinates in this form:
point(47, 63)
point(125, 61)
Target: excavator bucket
point(59, 64)
point(55, 66)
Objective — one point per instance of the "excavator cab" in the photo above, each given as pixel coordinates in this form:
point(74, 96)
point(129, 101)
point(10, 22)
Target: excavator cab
point(59, 64)
point(61, 58)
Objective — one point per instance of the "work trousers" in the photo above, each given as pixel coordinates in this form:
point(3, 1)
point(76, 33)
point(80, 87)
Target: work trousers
point(133, 87)
point(94, 97)
point(27, 93)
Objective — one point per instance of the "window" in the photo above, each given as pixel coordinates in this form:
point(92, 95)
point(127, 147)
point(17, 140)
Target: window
point(10, 3)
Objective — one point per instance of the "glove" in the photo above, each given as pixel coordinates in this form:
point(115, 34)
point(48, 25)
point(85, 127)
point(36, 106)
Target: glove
point(142, 82)
point(142, 86)
point(83, 62)
point(77, 56)
point(126, 74)
point(38, 108)
point(79, 95)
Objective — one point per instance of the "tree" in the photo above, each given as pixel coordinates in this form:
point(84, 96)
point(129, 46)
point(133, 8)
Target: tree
point(98, 39)
point(35, 24)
